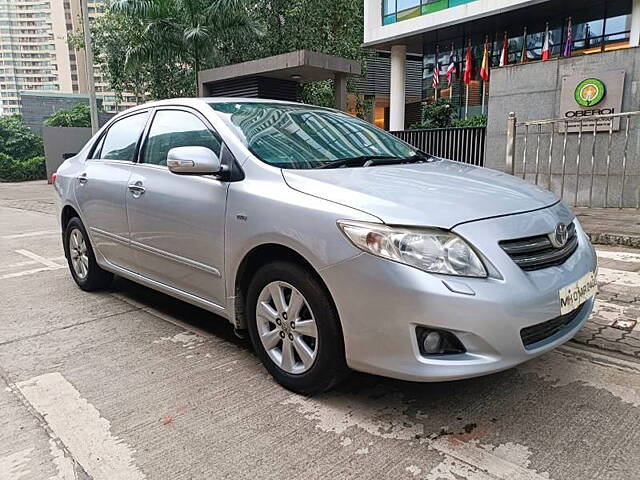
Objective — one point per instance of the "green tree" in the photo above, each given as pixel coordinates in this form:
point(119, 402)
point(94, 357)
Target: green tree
point(17, 141)
point(438, 114)
point(332, 27)
point(78, 116)
point(185, 34)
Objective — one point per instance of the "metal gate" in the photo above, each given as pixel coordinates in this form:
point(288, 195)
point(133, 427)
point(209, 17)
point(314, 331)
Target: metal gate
point(464, 144)
point(592, 161)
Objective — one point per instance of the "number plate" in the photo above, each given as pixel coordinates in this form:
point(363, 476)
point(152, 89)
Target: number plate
point(574, 295)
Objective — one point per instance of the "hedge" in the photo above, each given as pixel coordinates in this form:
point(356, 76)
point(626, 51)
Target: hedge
point(13, 170)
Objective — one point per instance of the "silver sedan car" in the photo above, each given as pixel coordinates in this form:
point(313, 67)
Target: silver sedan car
point(334, 244)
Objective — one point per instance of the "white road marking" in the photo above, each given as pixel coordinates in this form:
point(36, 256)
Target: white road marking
point(569, 364)
point(27, 263)
point(64, 465)
point(33, 256)
point(385, 418)
point(31, 234)
point(80, 427)
point(621, 256)
point(619, 277)
point(29, 272)
point(414, 470)
point(14, 465)
point(452, 469)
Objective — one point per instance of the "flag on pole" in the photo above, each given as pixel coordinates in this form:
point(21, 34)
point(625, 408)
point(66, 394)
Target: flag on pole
point(436, 74)
point(546, 46)
point(486, 64)
point(568, 45)
point(451, 69)
point(468, 66)
point(523, 54)
point(504, 54)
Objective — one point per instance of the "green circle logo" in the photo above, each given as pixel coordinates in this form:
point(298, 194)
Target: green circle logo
point(590, 92)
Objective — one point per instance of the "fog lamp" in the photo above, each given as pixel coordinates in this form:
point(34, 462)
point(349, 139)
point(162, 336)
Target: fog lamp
point(438, 342)
point(431, 343)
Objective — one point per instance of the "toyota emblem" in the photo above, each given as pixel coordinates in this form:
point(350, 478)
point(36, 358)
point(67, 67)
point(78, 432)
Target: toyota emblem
point(560, 236)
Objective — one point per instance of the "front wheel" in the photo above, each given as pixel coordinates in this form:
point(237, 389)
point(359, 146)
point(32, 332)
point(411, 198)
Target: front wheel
point(294, 328)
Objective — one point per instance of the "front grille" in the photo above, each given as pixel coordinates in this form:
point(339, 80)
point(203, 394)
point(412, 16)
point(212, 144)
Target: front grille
point(535, 253)
point(537, 333)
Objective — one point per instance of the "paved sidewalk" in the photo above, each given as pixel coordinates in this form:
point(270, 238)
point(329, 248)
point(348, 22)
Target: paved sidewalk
point(611, 226)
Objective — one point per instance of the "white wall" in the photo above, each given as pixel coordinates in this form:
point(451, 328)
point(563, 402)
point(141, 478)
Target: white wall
point(375, 32)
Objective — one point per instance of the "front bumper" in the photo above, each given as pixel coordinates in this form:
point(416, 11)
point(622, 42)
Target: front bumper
point(382, 302)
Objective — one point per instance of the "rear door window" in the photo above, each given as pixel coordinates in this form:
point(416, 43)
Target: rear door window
point(122, 138)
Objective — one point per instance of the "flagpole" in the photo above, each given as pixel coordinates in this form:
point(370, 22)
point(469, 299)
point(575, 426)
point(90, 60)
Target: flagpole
point(484, 82)
point(451, 82)
point(466, 103)
point(484, 93)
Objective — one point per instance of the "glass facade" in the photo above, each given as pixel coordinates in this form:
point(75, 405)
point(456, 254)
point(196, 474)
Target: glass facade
point(604, 25)
point(397, 10)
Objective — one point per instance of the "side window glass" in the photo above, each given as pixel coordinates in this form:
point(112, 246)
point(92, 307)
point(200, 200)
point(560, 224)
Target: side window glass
point(122, 137)
point(98, 148)
point(174, 128)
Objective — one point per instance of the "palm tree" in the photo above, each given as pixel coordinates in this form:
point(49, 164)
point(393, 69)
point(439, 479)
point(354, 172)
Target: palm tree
point(191, 33)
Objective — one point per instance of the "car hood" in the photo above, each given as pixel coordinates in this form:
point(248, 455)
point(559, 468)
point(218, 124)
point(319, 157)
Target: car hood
point(438, 194)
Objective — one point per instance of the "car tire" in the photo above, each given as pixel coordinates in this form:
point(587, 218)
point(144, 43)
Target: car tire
point(301, 375)
point(81, 259)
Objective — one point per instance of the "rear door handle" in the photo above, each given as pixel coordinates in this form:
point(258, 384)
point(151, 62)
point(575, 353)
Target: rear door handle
point(82, 179)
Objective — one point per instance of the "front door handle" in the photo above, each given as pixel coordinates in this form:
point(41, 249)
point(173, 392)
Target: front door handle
point(136, 188)
point(82, 179)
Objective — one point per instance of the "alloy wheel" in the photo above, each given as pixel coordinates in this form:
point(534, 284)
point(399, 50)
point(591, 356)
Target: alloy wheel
point(78, 253)
point(287, 327)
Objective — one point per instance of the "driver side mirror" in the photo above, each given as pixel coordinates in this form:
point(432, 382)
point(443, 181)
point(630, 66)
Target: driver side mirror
point(193, 161)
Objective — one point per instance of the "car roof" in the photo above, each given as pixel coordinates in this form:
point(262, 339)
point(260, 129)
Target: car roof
point(200, 102)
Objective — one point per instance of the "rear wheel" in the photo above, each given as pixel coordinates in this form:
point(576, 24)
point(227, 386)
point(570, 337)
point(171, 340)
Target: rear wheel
point(294, 328)
point(81, 259)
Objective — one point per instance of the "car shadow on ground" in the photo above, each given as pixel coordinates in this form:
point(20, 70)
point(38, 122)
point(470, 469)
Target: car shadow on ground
point(395, 404)
point(514, 413)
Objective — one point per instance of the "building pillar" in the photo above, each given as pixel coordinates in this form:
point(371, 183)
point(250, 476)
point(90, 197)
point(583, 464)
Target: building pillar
point(634, 41)
point(340, 91)
point(397, 94)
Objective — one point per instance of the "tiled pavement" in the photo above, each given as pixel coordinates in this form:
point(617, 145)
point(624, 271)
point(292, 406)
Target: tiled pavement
point(615, 323)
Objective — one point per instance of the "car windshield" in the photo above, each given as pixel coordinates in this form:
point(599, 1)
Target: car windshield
point(303, 137)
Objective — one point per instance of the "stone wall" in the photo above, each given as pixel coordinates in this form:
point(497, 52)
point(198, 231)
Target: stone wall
point(61, 143)
point(532, 91)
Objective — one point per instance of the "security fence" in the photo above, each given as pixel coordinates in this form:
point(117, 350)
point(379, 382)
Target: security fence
point(464, 144)
point(589, 161)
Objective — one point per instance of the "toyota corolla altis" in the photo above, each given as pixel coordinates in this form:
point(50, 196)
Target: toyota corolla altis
point(333, 243)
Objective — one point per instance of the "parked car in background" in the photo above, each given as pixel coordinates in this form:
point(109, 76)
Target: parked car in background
point(332, 242)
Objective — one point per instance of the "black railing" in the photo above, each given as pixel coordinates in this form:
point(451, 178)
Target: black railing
point(465, 144)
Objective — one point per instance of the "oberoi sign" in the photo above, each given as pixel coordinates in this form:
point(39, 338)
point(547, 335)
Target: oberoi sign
point(591, 95)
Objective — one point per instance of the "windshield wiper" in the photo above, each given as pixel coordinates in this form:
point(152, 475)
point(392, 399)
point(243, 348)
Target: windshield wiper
point(418, 158)
point(354, 161)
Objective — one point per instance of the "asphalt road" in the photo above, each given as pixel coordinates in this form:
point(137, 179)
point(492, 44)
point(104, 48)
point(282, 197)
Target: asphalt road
point(132, 384)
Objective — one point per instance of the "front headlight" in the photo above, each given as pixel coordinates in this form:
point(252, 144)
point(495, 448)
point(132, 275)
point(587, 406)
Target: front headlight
point(429, 249)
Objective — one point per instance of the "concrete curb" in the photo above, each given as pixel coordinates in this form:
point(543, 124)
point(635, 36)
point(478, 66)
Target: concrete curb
point(615, 239)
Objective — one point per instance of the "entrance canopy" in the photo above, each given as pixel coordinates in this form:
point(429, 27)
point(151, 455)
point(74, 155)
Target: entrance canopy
point(279, 77)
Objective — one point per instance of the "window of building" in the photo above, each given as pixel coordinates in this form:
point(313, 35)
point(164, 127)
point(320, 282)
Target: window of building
point(605, 25)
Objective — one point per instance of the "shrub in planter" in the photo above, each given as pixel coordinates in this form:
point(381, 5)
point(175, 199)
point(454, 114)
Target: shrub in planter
point(14, 170)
